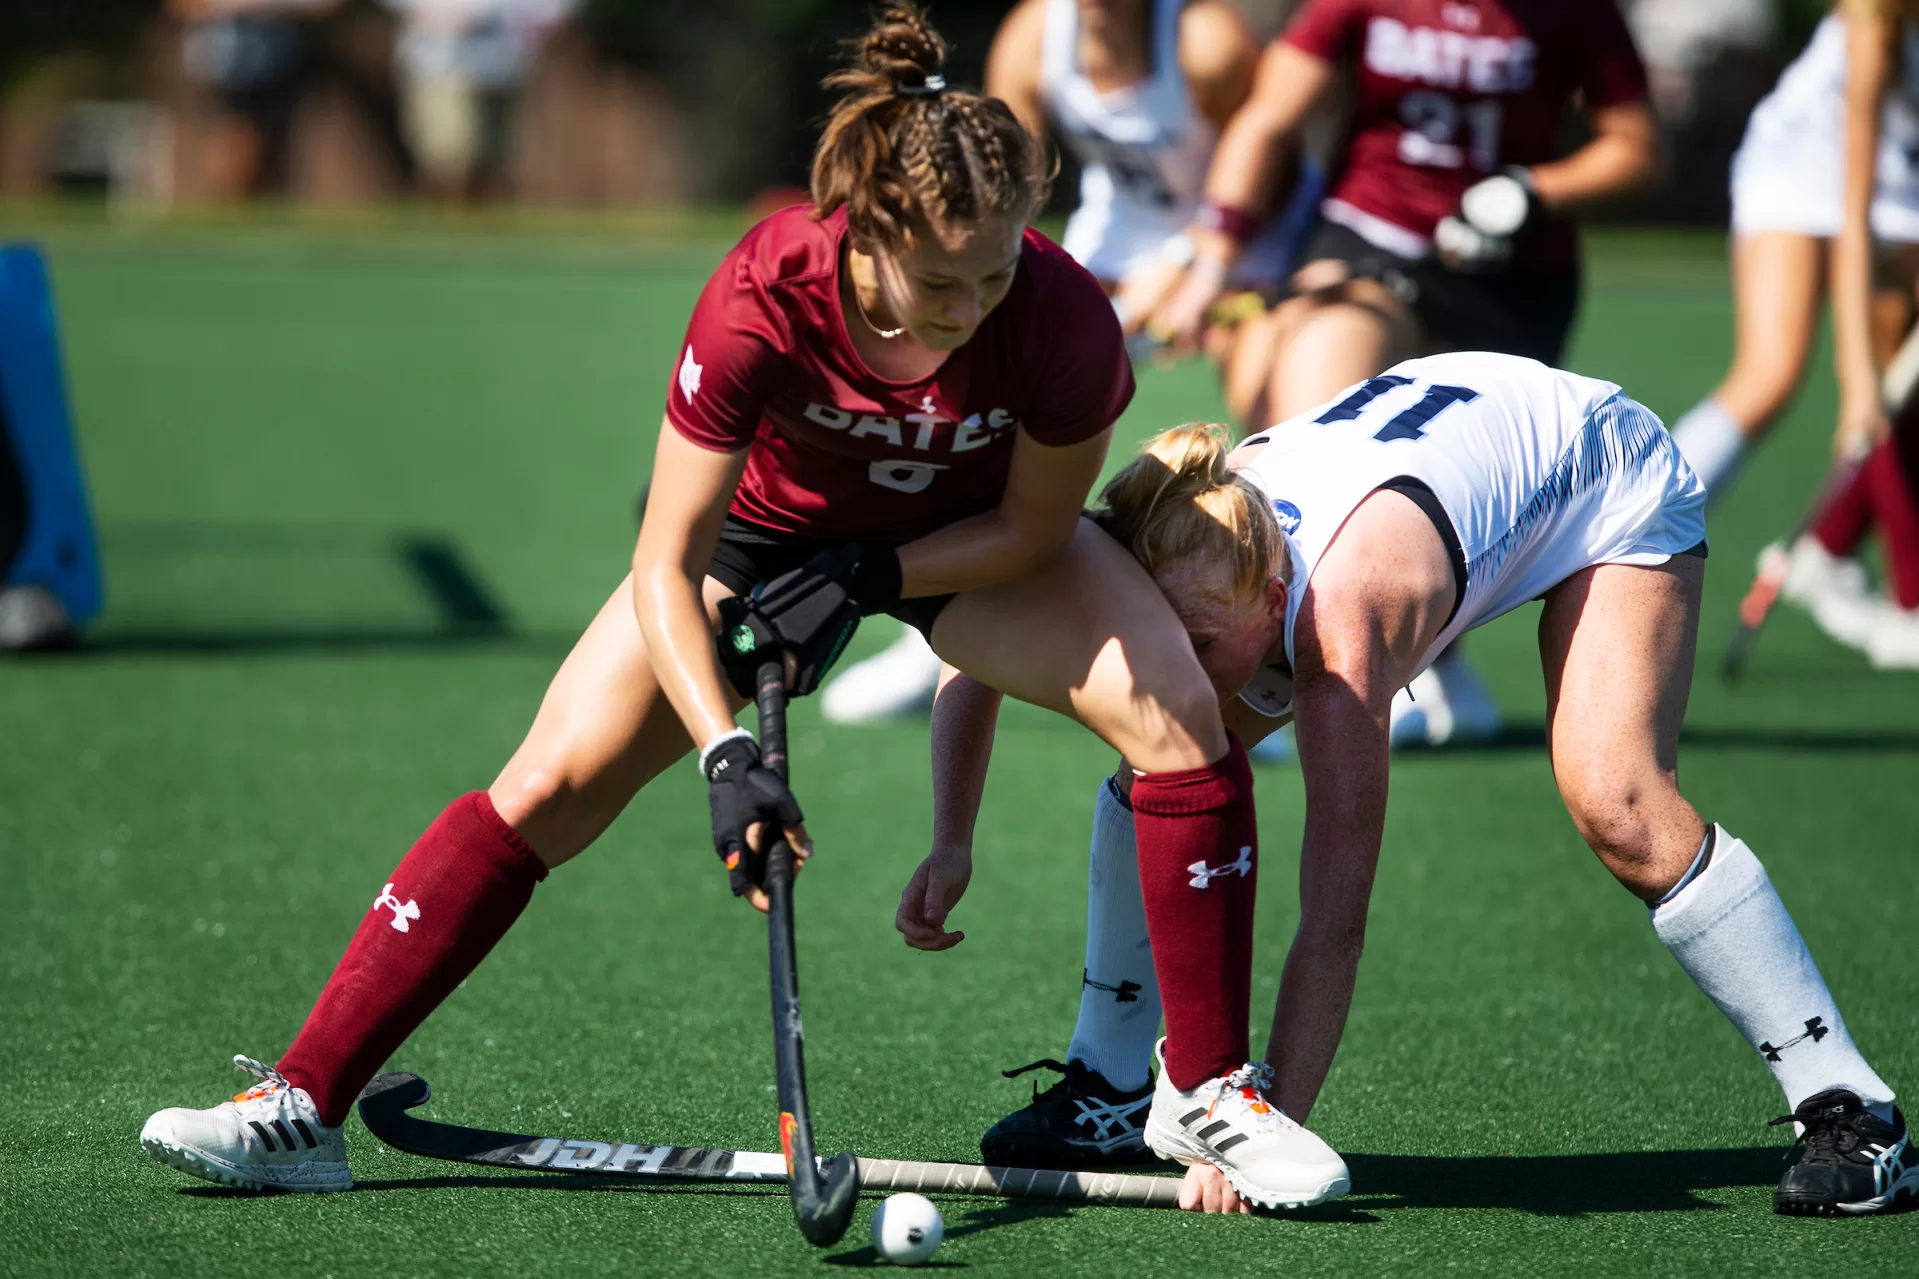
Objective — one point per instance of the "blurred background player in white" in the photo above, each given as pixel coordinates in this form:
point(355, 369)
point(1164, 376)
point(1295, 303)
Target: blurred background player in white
point(1333, 555)
point(1449, 225)
point(1138, 91)
point(1825, 193)
point(460, 66)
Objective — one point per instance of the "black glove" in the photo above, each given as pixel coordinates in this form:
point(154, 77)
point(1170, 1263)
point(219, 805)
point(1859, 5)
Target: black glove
point(810, 613)
point(741, 791)
point(1491, 215)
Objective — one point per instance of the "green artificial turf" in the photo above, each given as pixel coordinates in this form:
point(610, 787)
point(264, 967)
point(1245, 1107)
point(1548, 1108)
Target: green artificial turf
point(358, 491)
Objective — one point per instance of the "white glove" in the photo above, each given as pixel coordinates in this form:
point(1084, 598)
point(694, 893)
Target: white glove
point(1491, 213)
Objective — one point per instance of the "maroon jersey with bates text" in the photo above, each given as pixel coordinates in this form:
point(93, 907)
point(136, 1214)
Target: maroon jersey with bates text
point(839, 452)
point(1449, 91)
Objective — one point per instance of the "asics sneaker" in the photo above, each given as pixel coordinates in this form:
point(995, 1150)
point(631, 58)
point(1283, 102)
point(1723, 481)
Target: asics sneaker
point(898, 680)
point(1080, 1122)
point(267, 1138)
point(1850, 1160)
point(1227, 1122)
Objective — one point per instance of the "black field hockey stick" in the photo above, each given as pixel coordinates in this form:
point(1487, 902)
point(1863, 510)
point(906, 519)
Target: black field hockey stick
point(385, 1103)
point(823, 1195)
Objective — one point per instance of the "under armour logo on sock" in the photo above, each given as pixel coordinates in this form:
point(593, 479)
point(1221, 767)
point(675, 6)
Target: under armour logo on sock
point(1202, 874)
point(1127, 992)
point(1816, 1030)
point(403, 911)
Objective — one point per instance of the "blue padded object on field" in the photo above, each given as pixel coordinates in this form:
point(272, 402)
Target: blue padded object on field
point(58, 549)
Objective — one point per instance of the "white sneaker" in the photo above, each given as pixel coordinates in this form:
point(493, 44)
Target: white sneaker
point(899, 680)
point(1447, 702)
point(267, 1138)
point(1227, 1122)
point(1833, 589)
point(1893, 644)
point(1812, 572)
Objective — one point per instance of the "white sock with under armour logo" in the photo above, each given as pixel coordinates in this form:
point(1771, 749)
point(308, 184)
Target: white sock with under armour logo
point(1728, 929)
point(1119, 1003)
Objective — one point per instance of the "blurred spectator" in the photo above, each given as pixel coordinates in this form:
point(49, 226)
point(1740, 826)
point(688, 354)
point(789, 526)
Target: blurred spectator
point(253, 56)
point(1707, 63)
point(1682, 39)
point(461, 65)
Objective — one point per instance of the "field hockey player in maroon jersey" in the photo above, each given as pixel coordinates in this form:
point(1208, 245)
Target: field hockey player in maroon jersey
point(899, 398)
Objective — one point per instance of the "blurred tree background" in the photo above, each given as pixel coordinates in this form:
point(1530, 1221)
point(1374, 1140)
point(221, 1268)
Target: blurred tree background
point(646, 100)
point(754, 67)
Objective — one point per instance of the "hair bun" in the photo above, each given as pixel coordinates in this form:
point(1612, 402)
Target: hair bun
point(1194, 456)
point(1178, 501)
point(902, 47)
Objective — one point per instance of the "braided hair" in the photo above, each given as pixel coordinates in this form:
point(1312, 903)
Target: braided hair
point(901, 151)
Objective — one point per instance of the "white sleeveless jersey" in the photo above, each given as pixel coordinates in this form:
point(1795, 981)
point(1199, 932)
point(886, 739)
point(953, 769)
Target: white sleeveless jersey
point(1789, 172)
point(1543, 473)
point(1143, 149)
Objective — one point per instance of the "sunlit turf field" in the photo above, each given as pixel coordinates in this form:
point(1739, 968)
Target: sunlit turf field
point(357, 493)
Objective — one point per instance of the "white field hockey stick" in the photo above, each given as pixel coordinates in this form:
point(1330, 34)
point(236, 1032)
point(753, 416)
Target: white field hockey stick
point(385, 1102)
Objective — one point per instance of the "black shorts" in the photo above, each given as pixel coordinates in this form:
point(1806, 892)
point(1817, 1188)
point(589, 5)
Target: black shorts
point(749, 554)
point(1515, 312)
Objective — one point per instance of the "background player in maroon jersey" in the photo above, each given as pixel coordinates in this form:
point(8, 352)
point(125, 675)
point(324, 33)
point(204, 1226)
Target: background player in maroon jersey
point(907, 379)
point(1447, 225)
point(1453, 98)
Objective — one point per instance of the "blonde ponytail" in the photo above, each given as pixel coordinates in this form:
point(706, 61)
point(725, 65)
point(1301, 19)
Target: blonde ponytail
point(1177, 502)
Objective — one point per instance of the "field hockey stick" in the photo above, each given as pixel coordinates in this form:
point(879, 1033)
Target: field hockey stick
point(1775, 565)
point(1896, 388)
point(823, 1195)
point(385, 1102)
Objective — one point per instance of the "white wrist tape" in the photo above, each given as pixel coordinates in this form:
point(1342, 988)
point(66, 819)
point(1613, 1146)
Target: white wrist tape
point(706, 752)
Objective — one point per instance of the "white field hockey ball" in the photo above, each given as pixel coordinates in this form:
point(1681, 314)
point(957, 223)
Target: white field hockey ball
point(907, 1229)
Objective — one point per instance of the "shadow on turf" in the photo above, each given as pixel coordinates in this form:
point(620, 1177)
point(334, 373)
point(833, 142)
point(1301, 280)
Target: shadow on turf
point(977, 1220)
point(467, 611)
point(1545, 1185)
point(1564, 1185)
point(510, 1181)
point(1531, 736)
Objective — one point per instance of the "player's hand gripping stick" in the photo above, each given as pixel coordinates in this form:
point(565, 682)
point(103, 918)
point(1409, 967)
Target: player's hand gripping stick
point(743, 791)
point(823, 1197)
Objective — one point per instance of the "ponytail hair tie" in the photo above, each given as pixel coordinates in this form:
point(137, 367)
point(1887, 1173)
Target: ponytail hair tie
point(932, 86)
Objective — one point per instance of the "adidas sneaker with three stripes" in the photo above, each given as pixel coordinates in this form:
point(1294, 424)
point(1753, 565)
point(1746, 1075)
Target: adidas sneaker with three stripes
point(1227, 1122)
point(267, 1138)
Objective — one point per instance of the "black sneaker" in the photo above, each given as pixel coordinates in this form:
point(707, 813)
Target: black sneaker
point(1850, 1160)
point(1080, 1122)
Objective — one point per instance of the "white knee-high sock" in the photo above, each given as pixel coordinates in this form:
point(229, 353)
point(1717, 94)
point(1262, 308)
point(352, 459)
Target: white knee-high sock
point(1119, 999)
point(1710, 440)
point(1728, 929)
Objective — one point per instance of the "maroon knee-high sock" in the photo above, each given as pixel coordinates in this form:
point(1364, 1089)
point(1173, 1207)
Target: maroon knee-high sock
point(1897, 516)
point(1843, 522)
point(445, 906)
point(1198, 872)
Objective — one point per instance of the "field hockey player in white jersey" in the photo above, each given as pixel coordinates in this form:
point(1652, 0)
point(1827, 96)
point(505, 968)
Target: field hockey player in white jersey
point(1138, 91)
point(1825, 196)
point(1321, 566)
point(1825, 200)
